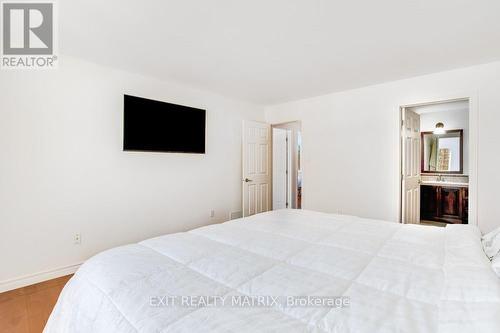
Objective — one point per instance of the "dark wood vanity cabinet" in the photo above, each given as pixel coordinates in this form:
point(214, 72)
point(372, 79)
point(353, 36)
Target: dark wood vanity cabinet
point(444, 204)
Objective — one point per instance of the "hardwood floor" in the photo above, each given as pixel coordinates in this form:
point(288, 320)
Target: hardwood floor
point(26, 310)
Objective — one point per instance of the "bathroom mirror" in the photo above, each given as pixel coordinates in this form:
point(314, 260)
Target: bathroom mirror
point(442, 153)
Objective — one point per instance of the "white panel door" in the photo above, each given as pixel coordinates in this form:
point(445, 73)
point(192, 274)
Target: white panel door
point(411, 167)
point(280, 168)
point(256, 167)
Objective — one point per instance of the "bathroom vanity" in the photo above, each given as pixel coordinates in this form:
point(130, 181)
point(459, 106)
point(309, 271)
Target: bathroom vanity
point(444, 202)
point(444, 189)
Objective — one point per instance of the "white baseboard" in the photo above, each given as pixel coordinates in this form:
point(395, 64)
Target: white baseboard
point(27, 280)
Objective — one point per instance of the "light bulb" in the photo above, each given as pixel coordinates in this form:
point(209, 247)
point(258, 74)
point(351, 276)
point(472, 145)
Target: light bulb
point(439, 129)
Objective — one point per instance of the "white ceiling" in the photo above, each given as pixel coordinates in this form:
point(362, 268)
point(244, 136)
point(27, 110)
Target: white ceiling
point(271, 51)
point(461, 105)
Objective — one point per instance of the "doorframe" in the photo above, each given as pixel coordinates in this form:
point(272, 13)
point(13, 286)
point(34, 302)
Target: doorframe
point(472, 97)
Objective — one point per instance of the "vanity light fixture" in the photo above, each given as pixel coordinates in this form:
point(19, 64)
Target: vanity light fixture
point(439, 129)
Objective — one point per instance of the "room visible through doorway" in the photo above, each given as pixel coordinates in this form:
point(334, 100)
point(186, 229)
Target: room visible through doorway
point(287, 173)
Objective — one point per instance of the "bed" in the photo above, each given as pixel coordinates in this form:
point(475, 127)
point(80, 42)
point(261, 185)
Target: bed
point(386, 276)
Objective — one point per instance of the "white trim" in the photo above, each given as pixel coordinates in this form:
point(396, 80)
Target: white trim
point(27, 280)
point(473, 161)
point(473, 98)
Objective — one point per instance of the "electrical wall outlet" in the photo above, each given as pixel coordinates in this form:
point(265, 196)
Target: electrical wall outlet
point(77, 239)
point(212, 214)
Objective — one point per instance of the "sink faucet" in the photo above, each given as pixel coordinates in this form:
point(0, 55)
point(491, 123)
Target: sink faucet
point(440, 178)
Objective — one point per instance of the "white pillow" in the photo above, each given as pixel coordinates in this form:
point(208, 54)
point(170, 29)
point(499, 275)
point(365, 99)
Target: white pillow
point(495, 264)
point(491, 243)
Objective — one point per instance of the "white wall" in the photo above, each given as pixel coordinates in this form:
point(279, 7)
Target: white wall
point(63, 171)
point(456, 119)
point(351, 141)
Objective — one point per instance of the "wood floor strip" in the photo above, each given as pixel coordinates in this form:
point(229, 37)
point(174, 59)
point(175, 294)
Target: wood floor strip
point(26, 310)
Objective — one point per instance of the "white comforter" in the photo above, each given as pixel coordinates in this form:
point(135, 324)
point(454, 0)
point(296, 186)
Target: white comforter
point(398, 278)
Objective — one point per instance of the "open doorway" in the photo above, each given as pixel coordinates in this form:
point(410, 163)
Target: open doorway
point(286, 170)
point(436, 162)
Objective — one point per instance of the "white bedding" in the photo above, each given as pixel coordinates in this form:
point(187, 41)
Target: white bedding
point(398, 278)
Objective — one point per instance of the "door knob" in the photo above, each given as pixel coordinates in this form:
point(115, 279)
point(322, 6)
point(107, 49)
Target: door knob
point(247, 180)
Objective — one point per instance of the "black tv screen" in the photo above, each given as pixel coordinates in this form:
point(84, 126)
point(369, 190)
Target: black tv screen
point(162, 127)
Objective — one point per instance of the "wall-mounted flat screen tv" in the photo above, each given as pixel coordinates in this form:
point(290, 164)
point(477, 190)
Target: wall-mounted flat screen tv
point(162, 127)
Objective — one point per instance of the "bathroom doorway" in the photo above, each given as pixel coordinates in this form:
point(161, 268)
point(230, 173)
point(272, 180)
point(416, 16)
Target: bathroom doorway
point(436, 163)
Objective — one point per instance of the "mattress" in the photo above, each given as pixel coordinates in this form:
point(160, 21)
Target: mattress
point(290, 271)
